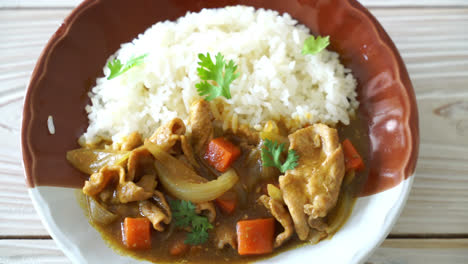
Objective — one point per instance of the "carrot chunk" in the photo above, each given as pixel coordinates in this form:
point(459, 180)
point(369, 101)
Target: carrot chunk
point(227, 202)
point(137, 233)
point(227, 205)
point(353, 160)
point(221, 153)
point(255, 236)
point(178, 248)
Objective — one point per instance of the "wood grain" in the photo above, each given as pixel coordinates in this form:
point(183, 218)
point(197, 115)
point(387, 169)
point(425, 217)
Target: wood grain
point(39, 3)
point(23, 251)
point(421, 251)
point(433, 43)
point(21, 44)
point(392, 251)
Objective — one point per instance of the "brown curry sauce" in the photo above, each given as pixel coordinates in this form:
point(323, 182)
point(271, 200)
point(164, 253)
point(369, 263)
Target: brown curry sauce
point(208, 252)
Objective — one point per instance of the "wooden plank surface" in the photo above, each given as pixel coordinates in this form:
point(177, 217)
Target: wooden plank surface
point(421, 251)
point(392, 251)
point(21, 44)
point(25, 251)
point(434, 46)
point(433, 42)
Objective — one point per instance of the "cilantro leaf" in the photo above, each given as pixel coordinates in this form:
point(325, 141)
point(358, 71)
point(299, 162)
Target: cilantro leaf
point(200, 222)
point(271, 153)
point(196, 237)
point(315, 45)
point(291, 161)
point(117, 68)
point(185, 216)
point(210, 71)
point(183, 212)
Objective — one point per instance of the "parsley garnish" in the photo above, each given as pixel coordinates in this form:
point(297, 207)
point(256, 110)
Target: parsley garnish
point(117, 68)
point(185, 216)
point(209, 71)
point(271, 153)
point(315, 45)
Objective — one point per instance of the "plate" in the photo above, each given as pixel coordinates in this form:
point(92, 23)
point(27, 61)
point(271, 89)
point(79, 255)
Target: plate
point(76, 53)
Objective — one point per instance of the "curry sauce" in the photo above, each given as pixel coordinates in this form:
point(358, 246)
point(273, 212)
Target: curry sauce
point(252, 184)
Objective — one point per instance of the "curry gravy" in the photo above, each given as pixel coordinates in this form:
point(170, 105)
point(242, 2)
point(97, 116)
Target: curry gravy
point(208, 252)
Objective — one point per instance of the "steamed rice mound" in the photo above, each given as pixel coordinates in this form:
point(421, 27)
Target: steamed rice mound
point(275, 80)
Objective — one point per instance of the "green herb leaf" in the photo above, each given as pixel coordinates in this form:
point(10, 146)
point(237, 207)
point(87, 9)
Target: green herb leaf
point(117, 68)
point(271, 153)
point(185, 216)
point(210, 71)
point(315, 45)
point(196, 237)
point(183, 212)
point(291, 161)
point(200, 222)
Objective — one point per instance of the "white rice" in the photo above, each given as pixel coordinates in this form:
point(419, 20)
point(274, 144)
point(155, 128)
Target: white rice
point(50, 125)
point(275, 80)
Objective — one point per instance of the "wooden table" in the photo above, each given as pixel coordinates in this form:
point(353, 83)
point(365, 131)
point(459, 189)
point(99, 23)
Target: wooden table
point(432, 36)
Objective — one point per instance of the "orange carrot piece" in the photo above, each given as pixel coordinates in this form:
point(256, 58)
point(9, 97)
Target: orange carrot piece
point(178, 248)
point(353, 160)
point(227, 202)
point(227, 205)
point(255, 236)
point(220, 153)
point(137, 233)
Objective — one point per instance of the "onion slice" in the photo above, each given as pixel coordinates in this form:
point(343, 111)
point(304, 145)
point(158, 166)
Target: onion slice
point(184, 183)
point(90, 161)
point(98, 213)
